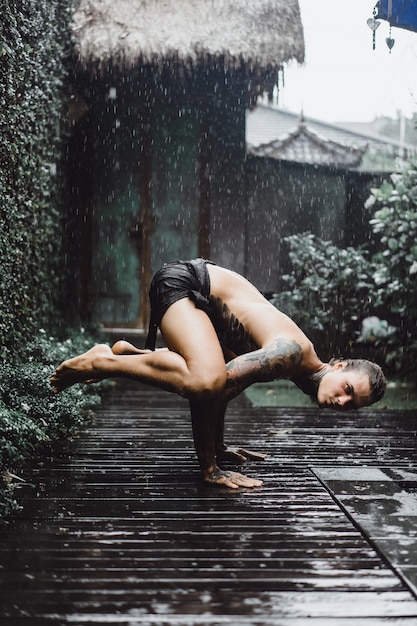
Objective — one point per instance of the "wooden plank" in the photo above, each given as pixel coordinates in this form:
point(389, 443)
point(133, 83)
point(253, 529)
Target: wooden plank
point(125, 532)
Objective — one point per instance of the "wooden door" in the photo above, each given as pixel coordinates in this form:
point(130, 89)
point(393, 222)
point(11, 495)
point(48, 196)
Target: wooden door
point(115, 264)
point(145, 204)
point(175, 178)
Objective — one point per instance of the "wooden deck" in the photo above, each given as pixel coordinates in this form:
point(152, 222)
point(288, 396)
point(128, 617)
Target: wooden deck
point(124, 532)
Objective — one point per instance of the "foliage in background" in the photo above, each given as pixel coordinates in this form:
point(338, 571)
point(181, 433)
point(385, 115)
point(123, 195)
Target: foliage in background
point(34, 421)
point(34, 45)
point(395, 226)
point(362, 302)
point(329, 291)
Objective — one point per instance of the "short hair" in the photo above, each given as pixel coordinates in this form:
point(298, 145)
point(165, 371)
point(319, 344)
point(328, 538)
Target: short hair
point(374, 372)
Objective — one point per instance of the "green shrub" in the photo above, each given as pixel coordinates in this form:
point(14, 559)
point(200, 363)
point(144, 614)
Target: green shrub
point(395, 226)
point(20, 435)
point(328, 293)
point(34, 421)
point(34, 49)
point(337, 294)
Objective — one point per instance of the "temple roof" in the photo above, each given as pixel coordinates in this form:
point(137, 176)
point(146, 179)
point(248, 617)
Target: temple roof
point(303, 146)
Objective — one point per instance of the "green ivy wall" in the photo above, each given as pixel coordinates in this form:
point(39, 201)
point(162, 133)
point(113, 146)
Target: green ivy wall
point(34, 48)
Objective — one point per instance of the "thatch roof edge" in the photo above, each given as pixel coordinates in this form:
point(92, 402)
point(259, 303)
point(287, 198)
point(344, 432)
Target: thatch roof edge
point(260, 36)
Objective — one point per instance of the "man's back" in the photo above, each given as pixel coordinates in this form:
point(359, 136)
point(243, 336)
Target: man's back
point(260, 318)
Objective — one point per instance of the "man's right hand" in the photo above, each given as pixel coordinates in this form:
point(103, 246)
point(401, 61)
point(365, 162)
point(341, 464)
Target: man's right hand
point(233, 480)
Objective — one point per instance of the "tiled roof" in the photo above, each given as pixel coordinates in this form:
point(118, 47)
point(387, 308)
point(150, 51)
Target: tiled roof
point(270, 129)
point(304, 146)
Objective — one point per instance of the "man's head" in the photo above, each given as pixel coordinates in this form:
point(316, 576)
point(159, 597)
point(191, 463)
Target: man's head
point(350, 384)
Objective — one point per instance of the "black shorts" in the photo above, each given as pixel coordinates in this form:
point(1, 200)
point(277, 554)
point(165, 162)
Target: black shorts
point(173, 282)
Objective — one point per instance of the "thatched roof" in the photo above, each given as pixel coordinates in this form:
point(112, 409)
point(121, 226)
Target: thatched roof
point(260, 34)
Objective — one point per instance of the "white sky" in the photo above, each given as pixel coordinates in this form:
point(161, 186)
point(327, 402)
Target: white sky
point(343, 79)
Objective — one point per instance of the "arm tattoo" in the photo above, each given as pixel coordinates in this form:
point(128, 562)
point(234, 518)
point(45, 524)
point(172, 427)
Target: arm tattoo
point(280, 359)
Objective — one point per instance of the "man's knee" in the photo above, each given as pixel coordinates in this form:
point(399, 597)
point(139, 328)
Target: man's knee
point(206, 385)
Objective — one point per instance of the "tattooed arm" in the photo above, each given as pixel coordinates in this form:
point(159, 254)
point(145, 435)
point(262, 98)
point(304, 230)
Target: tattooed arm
point(279, 359)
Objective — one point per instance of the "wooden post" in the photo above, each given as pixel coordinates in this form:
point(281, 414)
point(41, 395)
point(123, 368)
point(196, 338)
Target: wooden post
point(204, 184)
point(146, 222)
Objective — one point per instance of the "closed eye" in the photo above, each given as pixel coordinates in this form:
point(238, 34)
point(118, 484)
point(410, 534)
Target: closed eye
point(350, 406)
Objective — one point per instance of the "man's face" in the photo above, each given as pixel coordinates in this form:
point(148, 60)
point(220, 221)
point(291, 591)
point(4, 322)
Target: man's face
point(343, 389)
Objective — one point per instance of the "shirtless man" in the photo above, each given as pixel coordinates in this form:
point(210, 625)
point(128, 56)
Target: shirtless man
point(222, 336)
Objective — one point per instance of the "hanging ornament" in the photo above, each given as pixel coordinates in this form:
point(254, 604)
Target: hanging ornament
point(373, 25)
point(389, 40)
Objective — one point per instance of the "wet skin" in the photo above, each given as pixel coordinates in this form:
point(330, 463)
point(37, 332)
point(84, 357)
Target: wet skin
point(273, 361)
point(260, 343)
point(339, 390)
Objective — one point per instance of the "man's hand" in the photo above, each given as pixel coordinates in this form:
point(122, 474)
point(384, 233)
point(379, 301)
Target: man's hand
point(233, 480)
point(238, 456)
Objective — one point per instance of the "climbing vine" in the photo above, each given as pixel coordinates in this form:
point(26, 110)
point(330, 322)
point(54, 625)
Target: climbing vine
point(34, 45)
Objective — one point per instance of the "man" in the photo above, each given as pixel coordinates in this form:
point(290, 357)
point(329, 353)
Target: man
point(208, 315)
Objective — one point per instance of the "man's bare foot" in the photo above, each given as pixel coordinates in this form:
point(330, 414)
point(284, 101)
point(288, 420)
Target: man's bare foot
point(80, 369)
point(124, 347)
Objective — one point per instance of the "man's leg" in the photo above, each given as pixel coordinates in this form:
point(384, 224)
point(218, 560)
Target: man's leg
point(193, 366)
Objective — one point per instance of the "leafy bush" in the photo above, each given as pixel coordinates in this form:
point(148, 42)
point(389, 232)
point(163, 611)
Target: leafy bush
point(34, 49)
point(19, 436)
point(329, 291)
point(395, 226)
point(33, 420)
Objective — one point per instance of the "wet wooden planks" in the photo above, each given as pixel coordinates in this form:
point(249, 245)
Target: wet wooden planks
point(126, 533)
